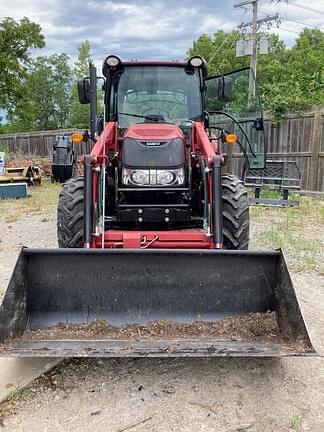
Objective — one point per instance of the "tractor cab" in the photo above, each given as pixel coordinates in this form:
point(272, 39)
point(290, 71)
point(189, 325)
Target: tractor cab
point(162, 126)
point(181, 93)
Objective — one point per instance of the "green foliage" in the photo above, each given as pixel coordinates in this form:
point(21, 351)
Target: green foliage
point(296, 422)
point(219, 52)
point(46, 101)
point(289, 79)
point(79, 114)
point(81, 69)
point(16, 41)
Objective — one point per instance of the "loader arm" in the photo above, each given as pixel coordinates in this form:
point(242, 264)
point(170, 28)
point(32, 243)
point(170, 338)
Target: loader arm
point(141, 270)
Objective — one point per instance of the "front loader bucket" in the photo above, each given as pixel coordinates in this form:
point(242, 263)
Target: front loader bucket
point(156, 303)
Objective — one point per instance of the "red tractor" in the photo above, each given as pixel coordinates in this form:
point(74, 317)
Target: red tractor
point(141, 233)
point(154, 177)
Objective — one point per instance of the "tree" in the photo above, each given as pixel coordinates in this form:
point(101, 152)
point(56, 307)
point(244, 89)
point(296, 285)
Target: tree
point(306, 60)
point(288, 79)
point(46, 104)
point(79, 114)
point(16, 42)
point(219, 51)
point(81, 68)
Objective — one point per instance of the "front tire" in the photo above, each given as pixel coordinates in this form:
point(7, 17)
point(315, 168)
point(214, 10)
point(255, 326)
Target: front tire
point(70, 214)
point(236, 220)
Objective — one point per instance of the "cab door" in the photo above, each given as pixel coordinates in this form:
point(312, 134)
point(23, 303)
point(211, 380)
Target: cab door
point(233, 103)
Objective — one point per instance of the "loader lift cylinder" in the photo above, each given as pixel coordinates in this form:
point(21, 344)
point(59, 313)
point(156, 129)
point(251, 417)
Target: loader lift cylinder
point(217, 203)
point(88, 206)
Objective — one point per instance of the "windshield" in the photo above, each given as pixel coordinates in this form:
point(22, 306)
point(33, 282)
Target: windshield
point(161, 93)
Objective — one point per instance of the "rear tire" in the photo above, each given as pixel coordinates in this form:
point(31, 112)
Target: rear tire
point(70, 214)
point(236, 220)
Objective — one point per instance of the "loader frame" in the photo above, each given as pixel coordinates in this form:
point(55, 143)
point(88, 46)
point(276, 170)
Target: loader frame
point(105, 151)
point(142, 277)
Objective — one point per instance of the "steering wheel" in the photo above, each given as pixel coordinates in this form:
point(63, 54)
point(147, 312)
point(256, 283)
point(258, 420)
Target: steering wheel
point(147, 113)
point(175, 108)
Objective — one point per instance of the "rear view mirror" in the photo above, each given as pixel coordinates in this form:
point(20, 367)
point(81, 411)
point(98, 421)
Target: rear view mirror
point(84, 91)
point(258, 124)
point(225, 88)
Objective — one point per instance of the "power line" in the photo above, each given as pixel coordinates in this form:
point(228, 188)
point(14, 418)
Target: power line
point(287, 30)
point(254, 28)
point(268, 18)
point(305, 7)
point(227, 38)
point(303, 23)
point(255, 25)
point(232, 45)
point(297, 22)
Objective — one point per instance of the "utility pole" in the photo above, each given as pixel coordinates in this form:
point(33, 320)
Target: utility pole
point(255, 24)
point(254, 36)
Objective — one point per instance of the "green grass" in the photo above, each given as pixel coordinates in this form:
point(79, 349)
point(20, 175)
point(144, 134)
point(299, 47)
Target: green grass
point(321, 215)
point(40, 199)
point(296, 422)
point(274, 194)
point(298, 231)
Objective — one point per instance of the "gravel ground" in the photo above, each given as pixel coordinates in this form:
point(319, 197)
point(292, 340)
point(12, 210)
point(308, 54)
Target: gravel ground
point(20, 233)
point(230, 395)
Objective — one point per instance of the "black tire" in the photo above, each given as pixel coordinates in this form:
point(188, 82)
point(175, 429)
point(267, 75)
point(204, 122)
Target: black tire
point(236, 220)
point(70, 214)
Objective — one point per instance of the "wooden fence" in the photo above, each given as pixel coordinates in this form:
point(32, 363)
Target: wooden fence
point(37, 144)
point(299, 139)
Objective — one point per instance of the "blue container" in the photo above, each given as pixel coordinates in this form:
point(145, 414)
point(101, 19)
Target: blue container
point(13, 190)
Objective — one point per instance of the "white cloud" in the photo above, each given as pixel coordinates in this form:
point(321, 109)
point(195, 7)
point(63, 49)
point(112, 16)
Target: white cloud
point(141, 29)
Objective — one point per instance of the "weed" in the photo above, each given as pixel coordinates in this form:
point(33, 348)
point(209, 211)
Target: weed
point(296, 422)
point(295, 230)
point(11, 218)
point(321, 215)
point(272, 238)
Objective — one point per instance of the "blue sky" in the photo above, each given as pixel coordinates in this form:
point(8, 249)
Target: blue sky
point(151, 29)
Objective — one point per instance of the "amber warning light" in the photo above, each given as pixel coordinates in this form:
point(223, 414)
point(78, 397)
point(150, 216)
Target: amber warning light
point(77, 137)
point(231, 138)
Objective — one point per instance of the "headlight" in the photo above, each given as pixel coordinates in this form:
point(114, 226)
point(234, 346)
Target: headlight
point(112, 61)
point(164, 177)
point(153, 177)
point(196, 61)
point(140, 177)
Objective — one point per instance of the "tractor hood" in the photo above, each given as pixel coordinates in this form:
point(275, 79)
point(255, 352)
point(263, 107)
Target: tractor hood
point(154, 132)
point(153, 146)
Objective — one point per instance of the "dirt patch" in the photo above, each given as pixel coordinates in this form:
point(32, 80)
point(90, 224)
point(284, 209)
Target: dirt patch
point(251, 327)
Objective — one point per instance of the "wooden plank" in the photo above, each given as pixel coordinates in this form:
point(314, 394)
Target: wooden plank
point(316, 145)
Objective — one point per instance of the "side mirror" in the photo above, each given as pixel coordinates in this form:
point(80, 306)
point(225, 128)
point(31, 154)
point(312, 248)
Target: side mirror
point(258, 123)
point(225, 89)
point(84, 91)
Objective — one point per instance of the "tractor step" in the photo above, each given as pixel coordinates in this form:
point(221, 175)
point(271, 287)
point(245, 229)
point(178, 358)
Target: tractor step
point(55, 292)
